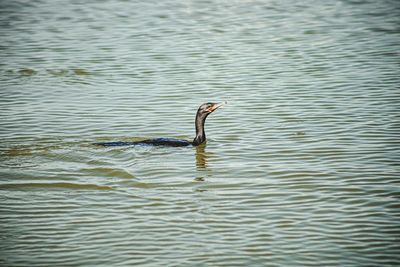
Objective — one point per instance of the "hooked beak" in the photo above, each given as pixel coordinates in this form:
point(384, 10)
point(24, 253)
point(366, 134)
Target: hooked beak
point(216, 106)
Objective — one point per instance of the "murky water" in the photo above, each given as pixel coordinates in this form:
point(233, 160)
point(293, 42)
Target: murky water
point(300, 169)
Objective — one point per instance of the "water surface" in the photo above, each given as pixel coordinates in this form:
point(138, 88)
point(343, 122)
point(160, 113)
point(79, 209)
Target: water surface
point(300, 169)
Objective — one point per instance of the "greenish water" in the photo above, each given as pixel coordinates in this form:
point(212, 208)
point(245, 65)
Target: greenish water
point(301, 167)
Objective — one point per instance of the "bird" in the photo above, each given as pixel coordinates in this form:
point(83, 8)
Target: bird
point(202, 113)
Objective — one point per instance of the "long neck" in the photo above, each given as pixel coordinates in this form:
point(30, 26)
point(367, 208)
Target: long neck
point(200, 133)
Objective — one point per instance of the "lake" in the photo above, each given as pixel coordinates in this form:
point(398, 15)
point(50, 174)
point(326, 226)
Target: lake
point(301, 167)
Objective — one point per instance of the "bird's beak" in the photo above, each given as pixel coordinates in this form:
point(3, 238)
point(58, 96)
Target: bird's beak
point(216, 106)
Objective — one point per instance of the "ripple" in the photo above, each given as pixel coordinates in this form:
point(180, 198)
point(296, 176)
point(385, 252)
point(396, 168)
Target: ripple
point(72, 186)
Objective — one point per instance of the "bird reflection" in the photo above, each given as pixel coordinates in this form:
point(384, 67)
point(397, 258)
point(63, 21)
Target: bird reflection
point(202, 160)
point(201, 157)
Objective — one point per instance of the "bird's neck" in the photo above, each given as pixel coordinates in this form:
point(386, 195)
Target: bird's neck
point(200, 133)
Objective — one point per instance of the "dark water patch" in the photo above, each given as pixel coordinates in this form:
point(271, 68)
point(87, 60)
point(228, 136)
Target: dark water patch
point(27, 72)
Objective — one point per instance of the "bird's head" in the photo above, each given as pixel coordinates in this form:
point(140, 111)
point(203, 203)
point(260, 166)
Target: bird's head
point(208, 108)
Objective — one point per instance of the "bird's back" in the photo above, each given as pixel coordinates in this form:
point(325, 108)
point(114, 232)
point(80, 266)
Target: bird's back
point(172, 142)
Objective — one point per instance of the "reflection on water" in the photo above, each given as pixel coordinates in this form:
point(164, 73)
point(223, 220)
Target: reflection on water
point(300, 169)
point(201, 156)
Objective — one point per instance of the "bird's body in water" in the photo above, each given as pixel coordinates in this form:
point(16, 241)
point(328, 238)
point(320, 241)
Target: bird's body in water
point(201, 115)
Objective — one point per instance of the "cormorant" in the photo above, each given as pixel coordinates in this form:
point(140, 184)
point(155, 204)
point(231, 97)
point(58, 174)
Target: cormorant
point(202, 113)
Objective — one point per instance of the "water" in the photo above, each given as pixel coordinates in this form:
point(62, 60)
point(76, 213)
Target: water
point(301, 168)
